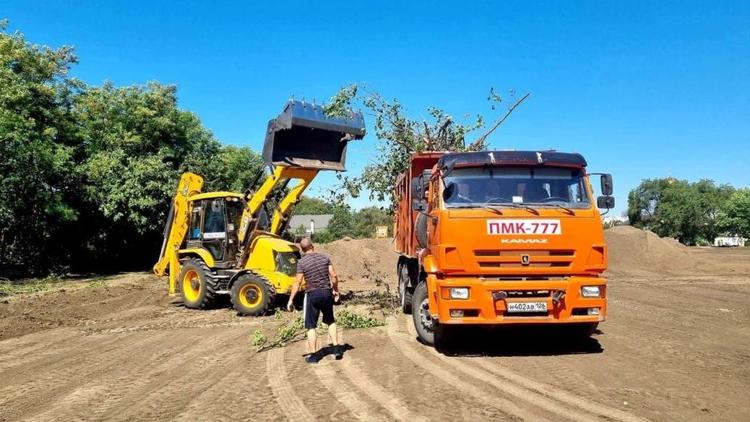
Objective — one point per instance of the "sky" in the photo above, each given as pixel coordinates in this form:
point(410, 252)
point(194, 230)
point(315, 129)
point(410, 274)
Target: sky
point(641, 89)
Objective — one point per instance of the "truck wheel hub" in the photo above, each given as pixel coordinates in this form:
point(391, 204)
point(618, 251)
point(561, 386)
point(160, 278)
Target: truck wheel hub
point(424, 315)
point(251, 295)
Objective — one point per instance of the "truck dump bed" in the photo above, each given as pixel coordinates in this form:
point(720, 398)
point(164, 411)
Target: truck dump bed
point(405, 228)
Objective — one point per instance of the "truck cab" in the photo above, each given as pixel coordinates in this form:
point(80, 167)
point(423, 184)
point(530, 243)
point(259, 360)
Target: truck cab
point(501, 237)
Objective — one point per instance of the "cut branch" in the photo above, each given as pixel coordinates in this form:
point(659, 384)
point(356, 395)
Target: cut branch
point(428, 135)
point(500, 121)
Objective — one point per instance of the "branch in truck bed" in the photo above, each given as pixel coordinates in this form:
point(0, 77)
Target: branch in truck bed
point(497, 124)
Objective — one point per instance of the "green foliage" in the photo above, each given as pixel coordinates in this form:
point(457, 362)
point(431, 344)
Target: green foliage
point(680, 209)
point(36, 171)
point(313, 206)
point(231, 168)
point(358, 224)
point(345, 221)
point(87, 172)
point(399, 136)
point(734, 217)
point(38, 285)
point(97, 283)
point(288, 332)
point(349, 319)
point(259, 339)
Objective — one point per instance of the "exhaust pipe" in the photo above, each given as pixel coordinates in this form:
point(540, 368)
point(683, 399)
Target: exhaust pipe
point(303, 136)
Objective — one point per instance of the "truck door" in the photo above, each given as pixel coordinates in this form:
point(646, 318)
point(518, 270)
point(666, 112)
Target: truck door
point(215, 227)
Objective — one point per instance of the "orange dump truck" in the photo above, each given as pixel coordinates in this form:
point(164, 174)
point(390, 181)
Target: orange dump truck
point(500, 237)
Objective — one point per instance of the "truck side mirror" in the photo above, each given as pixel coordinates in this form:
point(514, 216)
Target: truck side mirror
point(607, 202)
point(606, 181)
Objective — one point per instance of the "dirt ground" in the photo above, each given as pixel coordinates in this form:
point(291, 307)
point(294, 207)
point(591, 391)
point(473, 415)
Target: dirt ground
point(675, 347)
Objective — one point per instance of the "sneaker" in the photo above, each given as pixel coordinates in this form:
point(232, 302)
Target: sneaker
point(312, 358)
point(338, 352)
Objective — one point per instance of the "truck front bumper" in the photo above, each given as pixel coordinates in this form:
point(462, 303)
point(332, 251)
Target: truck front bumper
point(489, 299)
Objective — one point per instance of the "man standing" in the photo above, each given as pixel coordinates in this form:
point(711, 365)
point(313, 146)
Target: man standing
point(321, 291)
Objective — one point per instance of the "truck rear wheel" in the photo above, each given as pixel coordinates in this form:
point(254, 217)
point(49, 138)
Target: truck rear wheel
point(404, 291)
point(197, 287)
point(429, 329)
point(252, 295)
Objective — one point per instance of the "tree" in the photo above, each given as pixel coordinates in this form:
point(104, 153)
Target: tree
point(367, 219)
point(37, 168)
point(734, 217)
point(314, 206)
point(88, 172)
point(677, 208)
point(341, 224)
point(134, 142)
point(399, 136)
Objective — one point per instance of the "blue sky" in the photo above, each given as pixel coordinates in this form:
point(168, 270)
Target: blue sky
point(642, 89)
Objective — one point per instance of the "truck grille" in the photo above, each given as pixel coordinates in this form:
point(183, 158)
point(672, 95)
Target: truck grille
point(525, 294)
point(507, 258)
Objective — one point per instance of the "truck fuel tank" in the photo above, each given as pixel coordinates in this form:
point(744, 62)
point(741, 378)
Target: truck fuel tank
point(304, 136)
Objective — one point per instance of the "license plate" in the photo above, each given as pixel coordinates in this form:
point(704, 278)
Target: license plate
point(527, 307)
point(523, 227)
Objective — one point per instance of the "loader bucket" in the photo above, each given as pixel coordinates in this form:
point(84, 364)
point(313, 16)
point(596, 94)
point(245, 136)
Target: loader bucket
point(303, 136)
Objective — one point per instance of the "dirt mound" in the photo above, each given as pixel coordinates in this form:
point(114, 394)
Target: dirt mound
point(632, 250)
point(363, 263)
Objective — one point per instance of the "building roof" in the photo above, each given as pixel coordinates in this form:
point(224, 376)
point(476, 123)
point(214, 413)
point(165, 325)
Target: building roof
point(321, 221)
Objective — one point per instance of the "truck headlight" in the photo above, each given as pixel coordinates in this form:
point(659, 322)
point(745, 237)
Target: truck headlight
point(459, 293)
point(590, 291)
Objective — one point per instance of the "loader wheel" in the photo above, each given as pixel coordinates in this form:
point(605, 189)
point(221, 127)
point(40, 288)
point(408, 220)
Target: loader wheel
point(429, 330)
point(252, 295)
point(404, 291)
point(197, 287)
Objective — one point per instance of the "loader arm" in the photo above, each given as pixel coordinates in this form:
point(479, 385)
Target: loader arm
point(281, 213)
point(280, 175)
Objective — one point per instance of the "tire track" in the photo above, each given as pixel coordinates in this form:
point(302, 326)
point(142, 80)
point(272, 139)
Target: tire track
point(386, 399)
point(41, 347)
point(560, 395)
point(176, 380)
point(504, 405)
point(288, 402)
point(66, 373)
point(542, 395)
point(359, 408)
point(105, 394)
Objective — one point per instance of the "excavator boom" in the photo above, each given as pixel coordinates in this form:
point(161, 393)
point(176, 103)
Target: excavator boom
point(177, 224)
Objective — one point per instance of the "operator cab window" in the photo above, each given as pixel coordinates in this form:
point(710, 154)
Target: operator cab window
point(195, 224)
point(215, 223)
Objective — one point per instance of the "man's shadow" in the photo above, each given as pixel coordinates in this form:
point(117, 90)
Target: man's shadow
point(336, 351)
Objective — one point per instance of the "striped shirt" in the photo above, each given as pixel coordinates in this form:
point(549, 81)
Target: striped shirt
point(314, 266)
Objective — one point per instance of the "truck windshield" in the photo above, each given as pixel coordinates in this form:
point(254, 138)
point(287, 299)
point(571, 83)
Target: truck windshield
point(534, 186)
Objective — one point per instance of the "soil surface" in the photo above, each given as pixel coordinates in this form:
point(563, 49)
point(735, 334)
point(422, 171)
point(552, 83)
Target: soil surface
point(675, 347)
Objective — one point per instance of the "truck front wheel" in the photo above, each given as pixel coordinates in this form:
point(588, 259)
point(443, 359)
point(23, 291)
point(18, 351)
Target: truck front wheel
point(428, 328)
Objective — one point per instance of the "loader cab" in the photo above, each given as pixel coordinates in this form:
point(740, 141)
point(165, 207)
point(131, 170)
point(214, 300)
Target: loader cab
point(214, 221)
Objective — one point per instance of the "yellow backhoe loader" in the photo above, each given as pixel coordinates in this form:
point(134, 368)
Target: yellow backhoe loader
point(230, 243)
